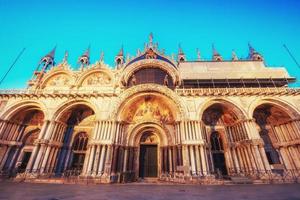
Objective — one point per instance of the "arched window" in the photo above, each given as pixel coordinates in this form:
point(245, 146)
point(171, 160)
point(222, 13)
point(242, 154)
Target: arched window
point(80, 142)
point(150, 75)
point(79, 148)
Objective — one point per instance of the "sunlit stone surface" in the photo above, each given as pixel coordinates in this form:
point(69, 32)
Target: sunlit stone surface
point(152, 117)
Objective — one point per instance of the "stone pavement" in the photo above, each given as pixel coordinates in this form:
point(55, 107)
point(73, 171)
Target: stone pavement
point(30, 191)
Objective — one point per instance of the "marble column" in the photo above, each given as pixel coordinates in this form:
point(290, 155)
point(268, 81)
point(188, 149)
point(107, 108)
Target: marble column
point(91, 160)
point(203, 161)
point(102, 159)
point(96, 162)
point(198, 161)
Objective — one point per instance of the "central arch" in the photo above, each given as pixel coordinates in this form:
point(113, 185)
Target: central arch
point(150, 139)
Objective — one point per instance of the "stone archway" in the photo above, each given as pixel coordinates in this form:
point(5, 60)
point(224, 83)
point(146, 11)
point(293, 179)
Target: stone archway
point(148, 155)
point(153, 140)
point(278, 126)
point(225, 131)
point(18, 133)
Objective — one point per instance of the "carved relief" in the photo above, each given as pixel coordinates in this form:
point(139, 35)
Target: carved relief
point(97, 79)
point(59, 81)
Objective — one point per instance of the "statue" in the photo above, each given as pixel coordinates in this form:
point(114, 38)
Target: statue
point(166, 80)
point(133, 80)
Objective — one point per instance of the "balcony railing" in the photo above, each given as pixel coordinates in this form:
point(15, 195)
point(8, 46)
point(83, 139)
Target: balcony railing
point(180, 91)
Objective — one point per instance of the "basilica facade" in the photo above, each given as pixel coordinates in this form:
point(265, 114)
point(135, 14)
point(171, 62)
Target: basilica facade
point(155, 117)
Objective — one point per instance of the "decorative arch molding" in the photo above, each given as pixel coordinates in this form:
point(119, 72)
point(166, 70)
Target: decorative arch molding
point(237, 109)
point(136, 132)
point(146, 63)
point(17, 106)
point(290, 109)
point(92, 71)
point(56, 72)
point(148, 89)
point(62, 108)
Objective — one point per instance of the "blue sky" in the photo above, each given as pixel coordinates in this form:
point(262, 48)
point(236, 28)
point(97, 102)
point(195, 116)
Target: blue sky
point(40, 25)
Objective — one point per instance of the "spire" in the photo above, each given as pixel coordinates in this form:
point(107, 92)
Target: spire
point(101, 56)
point(180, 51)
point(251, 49)
point(151, 39)
point(234, 56)
point(48, 59)
point(253, 54)
point(181, 55)
point(85, 58)
point(121, 52)
point(66, 56)
point(198, 55)
point(216, 55)
point(119, 59)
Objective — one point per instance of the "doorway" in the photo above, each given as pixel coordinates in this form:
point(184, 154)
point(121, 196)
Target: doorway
point(217, 151)
point(25, 160)
point(148, 161)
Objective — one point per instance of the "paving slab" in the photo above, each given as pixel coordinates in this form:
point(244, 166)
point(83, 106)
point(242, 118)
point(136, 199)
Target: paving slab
point(41, 191)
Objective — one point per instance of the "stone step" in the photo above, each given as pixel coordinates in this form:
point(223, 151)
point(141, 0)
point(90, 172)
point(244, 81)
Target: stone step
point(241, 180)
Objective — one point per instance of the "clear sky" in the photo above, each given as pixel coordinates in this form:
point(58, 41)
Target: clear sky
point(40, 25)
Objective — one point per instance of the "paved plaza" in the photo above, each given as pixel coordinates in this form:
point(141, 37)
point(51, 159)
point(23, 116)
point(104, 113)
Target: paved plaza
point(26, 191)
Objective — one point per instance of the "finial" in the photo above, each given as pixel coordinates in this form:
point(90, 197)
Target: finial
point(180, 56)
point(138, 52)
point(234, 56)
point(121, 52)
point(85, 58)
point(180, 51)
point(198, 55)
point(215, 52)
point(216, 55)
point(101, 56)
point(151, 39)
point(66, 56)
point(253, 54)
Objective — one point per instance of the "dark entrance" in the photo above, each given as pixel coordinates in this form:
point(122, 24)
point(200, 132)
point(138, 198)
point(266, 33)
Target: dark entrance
point(24, 163)
point(78, 160)
point(148, 161)
point(218, 153)
point(79, 148)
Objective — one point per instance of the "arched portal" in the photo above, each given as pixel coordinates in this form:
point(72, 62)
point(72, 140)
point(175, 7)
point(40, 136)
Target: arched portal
point(78, 121)
point(223, 122)
point(148, 160)
point(23, 128)
point(217, 151)
point(27, 148)
point(278, 130)
point(148, 119)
